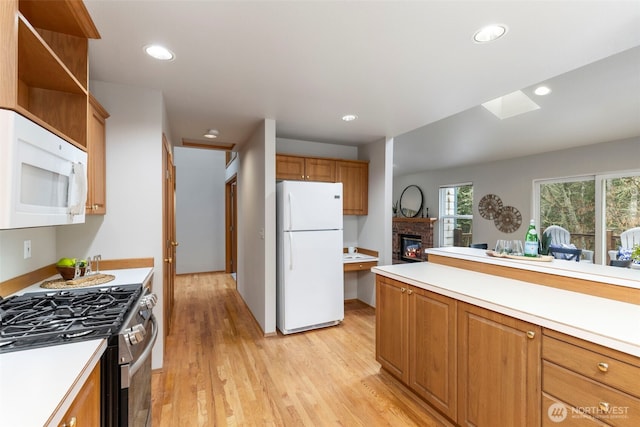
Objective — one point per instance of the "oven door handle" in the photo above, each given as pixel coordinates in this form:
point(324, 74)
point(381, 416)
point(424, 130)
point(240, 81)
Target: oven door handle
point(135, 366)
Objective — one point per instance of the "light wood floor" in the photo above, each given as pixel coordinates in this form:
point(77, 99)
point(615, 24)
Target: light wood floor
point(220, 370)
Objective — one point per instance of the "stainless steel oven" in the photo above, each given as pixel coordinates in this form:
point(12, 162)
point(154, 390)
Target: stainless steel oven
point(126, 368)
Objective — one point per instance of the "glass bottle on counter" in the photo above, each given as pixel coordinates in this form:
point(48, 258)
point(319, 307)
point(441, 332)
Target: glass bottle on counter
point(531, 241)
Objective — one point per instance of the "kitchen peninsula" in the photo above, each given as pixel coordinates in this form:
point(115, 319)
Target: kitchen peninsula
point(487, 349)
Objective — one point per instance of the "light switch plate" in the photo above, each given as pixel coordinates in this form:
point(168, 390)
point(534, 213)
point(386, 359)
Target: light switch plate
point(27, 249)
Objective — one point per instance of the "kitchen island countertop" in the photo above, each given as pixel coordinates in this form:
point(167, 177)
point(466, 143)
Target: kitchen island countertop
point(603, 321)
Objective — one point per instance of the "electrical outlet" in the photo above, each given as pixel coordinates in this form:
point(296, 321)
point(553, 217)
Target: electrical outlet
point(27, 249)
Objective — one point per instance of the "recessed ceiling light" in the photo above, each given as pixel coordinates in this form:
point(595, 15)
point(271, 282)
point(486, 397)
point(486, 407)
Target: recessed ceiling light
point(349, 117)
point(542, 91)
point(211, 134)
point(489, 33)
point(159, 52)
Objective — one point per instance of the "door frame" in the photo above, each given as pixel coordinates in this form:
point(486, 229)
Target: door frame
point(231, 225)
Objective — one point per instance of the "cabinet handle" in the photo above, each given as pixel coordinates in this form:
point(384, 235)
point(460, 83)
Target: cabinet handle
point(604, 367)
point(169, 260)
point(174, 243)
point(73, 422)
point(604, 407)
point(403, 290)
point(531, 334)
point(409, 291)
point(307, 176)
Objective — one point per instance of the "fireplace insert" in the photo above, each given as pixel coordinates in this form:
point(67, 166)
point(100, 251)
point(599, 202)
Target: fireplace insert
point(410, 247)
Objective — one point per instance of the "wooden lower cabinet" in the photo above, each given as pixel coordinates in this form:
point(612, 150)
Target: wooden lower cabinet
point(498, 369)
point(85, 409)
point(596, 385)
point(415, 341)
point(392, 322)
point(477, 367)
point(432, 349)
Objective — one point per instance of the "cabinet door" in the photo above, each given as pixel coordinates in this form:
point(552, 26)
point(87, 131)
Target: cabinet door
point(498, 369)
point(96, 173)
point(85, 409)
point(391, 327)
point(323, 170)
point(432, 349)
point(354, 177)
point(290, 168)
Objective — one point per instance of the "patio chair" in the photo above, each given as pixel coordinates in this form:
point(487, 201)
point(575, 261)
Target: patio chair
point(628, 239)
point(558, 237)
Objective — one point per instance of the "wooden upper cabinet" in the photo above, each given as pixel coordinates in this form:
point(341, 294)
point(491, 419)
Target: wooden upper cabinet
point(290, 168)
point(354, 176)
point(295, 168)
point(323, 170)
point(96, 153)
point(44, 64)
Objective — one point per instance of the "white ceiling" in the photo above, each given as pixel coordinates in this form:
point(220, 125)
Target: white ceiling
point(409, 70)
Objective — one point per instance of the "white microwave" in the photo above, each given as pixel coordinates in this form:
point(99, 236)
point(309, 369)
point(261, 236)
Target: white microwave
point(43, 178)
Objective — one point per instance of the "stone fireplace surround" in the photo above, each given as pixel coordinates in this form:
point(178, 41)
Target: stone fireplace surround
point(422, 227)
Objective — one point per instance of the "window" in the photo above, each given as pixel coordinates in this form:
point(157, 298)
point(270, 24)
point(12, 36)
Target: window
point(456, 215)
point(570, 203)
point(595, 209)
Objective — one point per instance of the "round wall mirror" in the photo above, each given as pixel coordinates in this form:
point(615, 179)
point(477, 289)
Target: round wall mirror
point(411, 201)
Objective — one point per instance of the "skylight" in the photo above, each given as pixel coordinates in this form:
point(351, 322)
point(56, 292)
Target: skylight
point(511, 105)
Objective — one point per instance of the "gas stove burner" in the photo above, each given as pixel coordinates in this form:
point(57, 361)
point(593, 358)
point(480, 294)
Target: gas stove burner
point(45, 318)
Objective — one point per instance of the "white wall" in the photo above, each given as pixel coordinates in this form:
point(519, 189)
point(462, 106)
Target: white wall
point(512, 180)
point(256, 275)
point(43, 250)
point(200, 210)
point(132, 227)
point(374, 229)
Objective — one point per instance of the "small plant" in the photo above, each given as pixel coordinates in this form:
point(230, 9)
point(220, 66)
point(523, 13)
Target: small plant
point(395, 208)
point(635, 254)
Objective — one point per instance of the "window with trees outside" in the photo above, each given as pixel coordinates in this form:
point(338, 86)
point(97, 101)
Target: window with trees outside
point(456, 215)
point(595, 209)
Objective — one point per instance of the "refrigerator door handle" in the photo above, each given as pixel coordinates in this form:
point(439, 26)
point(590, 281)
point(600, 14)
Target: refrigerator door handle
point(290, 210)
point(290, 251)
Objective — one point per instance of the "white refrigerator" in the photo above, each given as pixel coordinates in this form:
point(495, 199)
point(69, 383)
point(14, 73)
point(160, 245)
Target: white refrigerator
point(309, 272)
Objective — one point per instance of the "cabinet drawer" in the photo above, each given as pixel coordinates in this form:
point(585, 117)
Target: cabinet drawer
point(590, 396)
point(359, 266)
point(554, 415)
point(599, 367)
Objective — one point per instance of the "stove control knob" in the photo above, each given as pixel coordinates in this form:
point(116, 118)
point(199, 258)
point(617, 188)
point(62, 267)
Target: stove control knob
point(148, 301)
point(135, 334)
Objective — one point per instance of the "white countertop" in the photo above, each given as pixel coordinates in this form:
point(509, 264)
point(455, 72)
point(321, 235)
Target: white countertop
point(595, 272)
point(357, 257)
point(38, 386)
point(603, 321)
point(126, 276)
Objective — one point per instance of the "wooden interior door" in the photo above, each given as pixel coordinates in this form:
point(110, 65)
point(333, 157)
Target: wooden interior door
point(169, 228)
point(231, 220)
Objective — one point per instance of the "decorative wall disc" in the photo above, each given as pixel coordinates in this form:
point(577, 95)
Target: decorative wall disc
point(490, 206)
point(509, 219)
